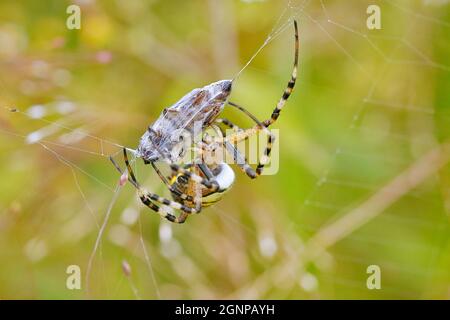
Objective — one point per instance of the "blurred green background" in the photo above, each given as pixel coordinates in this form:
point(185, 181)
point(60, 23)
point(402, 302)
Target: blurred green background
point(368, 105)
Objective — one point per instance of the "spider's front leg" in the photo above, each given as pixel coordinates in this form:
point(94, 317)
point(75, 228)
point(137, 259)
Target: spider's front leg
point(228, 124)
point(163, 213)
point(230, 142)
point(262, 126)
point(148, 198)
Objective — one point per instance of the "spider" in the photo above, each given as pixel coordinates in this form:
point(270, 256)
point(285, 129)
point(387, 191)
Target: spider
point(198, 184)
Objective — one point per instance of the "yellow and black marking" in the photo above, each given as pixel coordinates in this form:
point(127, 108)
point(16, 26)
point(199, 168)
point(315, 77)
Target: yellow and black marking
point(183, 185)
point(149, 199)
point(210, 184)
point(242, 135)
point(194, 186)
point(228, 124)
point(206, 196)
point(276, 113)
point(291, 84)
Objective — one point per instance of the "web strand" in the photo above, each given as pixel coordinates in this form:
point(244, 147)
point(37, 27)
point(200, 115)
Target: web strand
point(323, 207)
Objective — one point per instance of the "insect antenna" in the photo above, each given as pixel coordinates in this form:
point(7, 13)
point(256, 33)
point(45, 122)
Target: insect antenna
point(248, 113)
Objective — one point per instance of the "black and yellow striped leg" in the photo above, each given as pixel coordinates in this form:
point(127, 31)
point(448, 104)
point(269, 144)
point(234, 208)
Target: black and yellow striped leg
point(136, 184)
point(228, 124)
point(145, 200)
point(276, 113)
point(148, 198)
point(290, 86)
point(240, 160)
point(172, 189)
point(164, 214)
point(212, 185)
point(208, 182)
point(264, 159)
point(241, 136)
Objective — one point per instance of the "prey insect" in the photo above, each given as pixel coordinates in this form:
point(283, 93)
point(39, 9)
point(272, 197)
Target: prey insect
point(199, 184)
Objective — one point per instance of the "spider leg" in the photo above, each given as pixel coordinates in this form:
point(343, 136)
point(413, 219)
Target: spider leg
point(163, 213)
point(287, 92)
point(182, 195)
point(133, 182)
point(148, 198)
point(160, 175)
point(132, 177)
point(228, 124)
point(290, 85)
point(145, 196)
point(239, 136)
point(196, 183)
point(265, 157)
point(205, 170)
point(259, 125)
point(240, 160)
point(136, 184)
point(158, 209)
point(146, 201)
point(231, 140)
point(210, 184)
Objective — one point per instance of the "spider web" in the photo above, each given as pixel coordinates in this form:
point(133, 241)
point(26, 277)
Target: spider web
point(338, 213)
point(71, 135)
point(408, 156)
